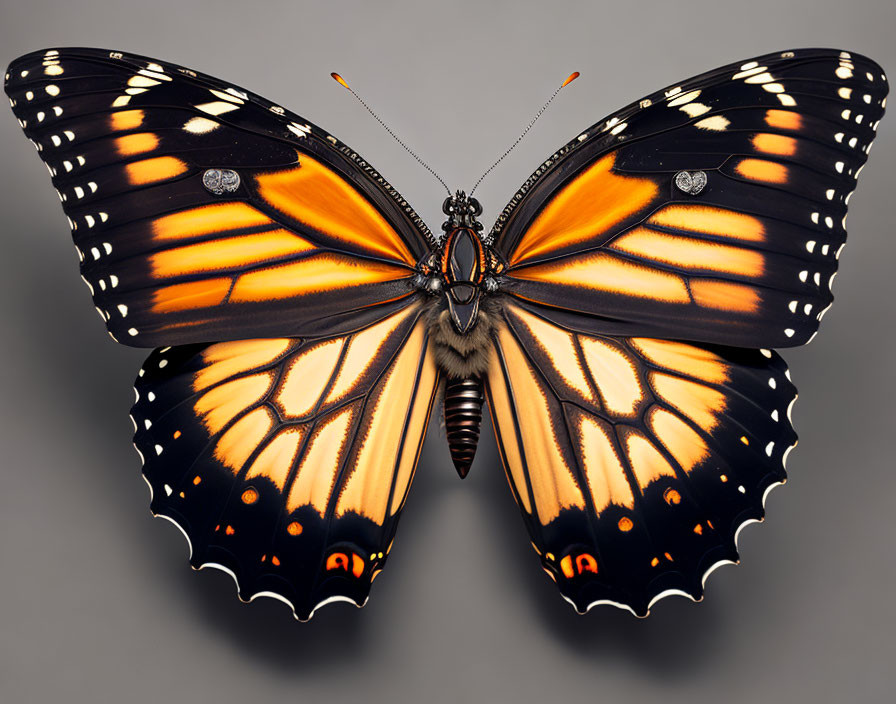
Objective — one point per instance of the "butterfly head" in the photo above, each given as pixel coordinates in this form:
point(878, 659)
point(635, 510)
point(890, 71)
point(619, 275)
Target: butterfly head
point(462, 211)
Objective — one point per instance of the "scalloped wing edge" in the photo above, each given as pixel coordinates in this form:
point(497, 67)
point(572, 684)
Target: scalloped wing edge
point(221, 568)
point(712, 568)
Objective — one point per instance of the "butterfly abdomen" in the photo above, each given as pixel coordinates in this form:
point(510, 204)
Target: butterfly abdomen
point(463, 359)
point(463, 418)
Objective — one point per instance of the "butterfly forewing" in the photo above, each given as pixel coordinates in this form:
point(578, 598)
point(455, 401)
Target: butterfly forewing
point(286, 461)
point(713, 210)
point(202, 212)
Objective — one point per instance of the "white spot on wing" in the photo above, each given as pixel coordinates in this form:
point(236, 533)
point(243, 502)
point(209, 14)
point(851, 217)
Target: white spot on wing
point(217, 107)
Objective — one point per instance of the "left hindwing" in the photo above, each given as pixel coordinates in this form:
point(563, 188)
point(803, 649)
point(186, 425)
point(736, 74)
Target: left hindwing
point(286, 461)
point(202, 212)
point(713, 210)
point(635, 461)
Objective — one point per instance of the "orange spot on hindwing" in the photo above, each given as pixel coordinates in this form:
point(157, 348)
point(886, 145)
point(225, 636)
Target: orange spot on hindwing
point(350, 562)
point(250, 496)
point(586, 563)
point(672, 496)
point(576, 564)
point(337, 561)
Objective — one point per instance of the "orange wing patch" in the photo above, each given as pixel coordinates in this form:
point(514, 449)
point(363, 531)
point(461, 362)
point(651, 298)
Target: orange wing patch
point(690, 253)
point(601, 463)
point(272, 263)
point(695, 362)
point(277, 458)
point(126, 120)
point(724, 295)
point(227, 253)
point(682, 256)
point(321, 461)
point(315, 274)
point(206, 220)
point(160, 168)
point(784, 120)
point(596, 201)
point(602, 271)
point(240, 440)
point(775, 144)
point(762, 170)
point(196, 294)
point(136, 143)
point(228, 359)
point(614, 374)
point(379, 460)
point(705, 219)
point(316, 196)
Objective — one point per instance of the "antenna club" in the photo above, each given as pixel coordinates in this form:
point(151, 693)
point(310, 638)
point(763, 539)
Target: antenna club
point(339, 79)
point(573, 76)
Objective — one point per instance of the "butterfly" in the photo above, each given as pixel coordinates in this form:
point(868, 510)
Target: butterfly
point(618, 321)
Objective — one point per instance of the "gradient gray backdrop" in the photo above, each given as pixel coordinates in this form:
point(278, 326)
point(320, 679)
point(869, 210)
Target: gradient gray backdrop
point(98, 601)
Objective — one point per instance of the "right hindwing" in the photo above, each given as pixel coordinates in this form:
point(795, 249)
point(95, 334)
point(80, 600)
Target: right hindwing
point(635, 461)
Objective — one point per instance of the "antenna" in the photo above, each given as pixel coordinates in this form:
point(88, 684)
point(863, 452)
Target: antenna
point(339, 79)
point(573, 76)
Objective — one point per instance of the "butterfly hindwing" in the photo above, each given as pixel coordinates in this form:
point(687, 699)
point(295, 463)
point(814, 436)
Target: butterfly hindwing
point(635, 461)
point(202, 212)
point(286, 461)
point(713, 210)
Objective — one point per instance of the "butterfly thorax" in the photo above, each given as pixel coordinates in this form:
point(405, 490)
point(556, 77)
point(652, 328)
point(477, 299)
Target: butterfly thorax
point(463, 268)
point(463, 262)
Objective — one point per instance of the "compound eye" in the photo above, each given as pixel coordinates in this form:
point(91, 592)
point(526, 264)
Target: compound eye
point(477, 207)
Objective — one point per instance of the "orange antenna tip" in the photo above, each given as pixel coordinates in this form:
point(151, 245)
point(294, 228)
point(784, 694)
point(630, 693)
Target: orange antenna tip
point(340, 79)
point(573, 76)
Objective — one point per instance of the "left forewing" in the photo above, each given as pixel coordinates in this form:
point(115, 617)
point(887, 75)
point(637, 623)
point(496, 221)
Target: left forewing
point(202, 212)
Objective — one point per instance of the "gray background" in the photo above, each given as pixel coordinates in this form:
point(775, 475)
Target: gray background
point(98, 602)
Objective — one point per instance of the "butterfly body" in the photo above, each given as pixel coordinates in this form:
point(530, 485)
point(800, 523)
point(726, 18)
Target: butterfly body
point(619, 320)
point(461, 275)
